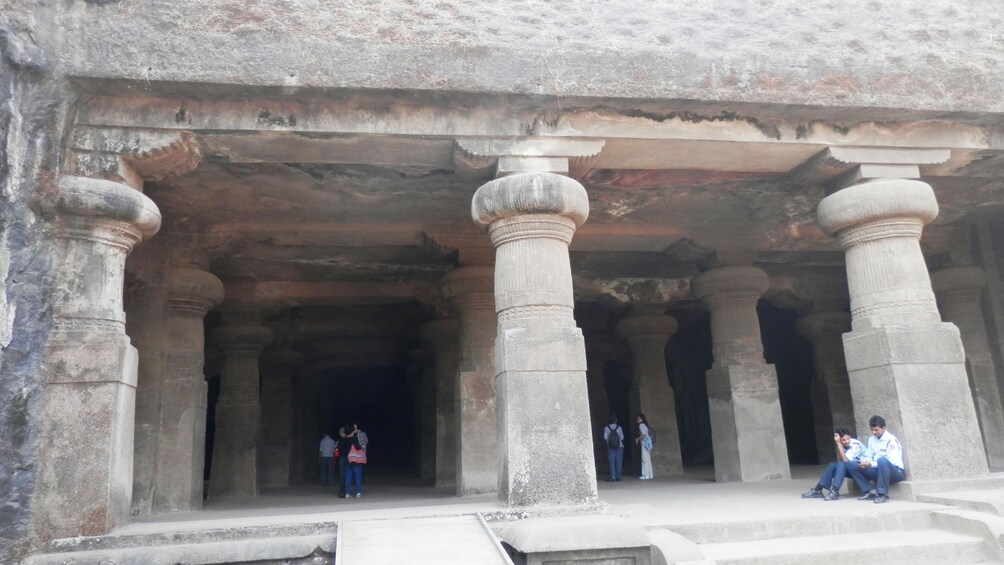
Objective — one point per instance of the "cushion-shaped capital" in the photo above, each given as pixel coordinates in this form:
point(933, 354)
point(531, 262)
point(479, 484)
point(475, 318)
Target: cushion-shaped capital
point(99, 198)
point(958, 278)
point(730, 280)
point(242, 338)
point(823, 323)
point(196, 283)
point(875, 201)
point(647, 324)
point(530, 193)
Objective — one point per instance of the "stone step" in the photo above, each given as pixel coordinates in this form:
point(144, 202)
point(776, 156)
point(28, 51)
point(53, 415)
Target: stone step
point(299, 550)
point(193, 536)
point(460, 540)
point(917, 547)
point(867, 520)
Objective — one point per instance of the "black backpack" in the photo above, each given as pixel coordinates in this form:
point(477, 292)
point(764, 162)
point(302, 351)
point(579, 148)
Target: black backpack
point(613, 438)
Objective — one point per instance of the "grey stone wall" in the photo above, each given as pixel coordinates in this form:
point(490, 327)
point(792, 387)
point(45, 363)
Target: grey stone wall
point(938, 55)
point(33, 107)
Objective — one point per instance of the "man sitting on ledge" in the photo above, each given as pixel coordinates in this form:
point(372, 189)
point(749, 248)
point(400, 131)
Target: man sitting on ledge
point(849, 450)
point(882, 463)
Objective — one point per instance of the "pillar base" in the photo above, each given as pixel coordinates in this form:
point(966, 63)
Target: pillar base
point(746, 427)
point(181, 444)
point(916, 379)
point(547, 454)
point(234, 470)
point(86, 454)
point(477, 460)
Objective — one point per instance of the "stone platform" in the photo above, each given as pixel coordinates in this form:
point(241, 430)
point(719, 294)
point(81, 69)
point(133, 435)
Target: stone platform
point(689, 518)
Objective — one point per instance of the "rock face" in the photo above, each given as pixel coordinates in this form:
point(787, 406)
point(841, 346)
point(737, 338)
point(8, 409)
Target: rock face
point(318, 166)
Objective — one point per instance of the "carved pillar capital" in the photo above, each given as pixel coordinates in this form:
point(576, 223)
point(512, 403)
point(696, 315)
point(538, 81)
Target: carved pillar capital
point(731, 294)
point(242, 338)
point(647, 325)
point(440, 334)
point(106, 212)
point(823, 324)
point(193, 291)
point(958, 284)
point(876, 222)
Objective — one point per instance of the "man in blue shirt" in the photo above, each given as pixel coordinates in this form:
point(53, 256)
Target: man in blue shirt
point(849, 450)
point(882, 463)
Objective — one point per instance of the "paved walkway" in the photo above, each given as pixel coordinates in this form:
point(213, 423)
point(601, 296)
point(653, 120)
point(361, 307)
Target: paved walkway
point(692, 499)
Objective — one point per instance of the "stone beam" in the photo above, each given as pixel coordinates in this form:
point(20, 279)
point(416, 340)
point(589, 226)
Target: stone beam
point(329, 292)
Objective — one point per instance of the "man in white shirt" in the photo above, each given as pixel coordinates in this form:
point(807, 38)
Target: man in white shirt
point(849, 450)
point(882, 463)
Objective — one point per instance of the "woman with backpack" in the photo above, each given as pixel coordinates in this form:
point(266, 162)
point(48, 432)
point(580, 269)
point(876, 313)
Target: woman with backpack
point(645, 440)
point(613, 436)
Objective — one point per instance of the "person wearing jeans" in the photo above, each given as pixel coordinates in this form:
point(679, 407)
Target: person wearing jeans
point(613, 437)
point(849, 450)
point(882, 463)
point(326, 454)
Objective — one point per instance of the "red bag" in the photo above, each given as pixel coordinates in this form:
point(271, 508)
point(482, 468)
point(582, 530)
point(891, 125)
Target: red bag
point(357, 455)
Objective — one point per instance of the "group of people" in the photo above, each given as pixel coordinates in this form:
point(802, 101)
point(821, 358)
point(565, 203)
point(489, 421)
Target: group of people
point(881, 462)
point(613, 438)
point(349, 452)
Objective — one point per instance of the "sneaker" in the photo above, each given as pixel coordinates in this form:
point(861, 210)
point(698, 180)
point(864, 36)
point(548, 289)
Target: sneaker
point(813, 493)
point(358, 494)
point(832, 495)
point(881, 499)
point(611, 479)
point(870, 495)
point(341, 495)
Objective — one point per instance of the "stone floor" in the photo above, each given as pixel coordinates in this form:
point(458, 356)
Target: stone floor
point(756, 522)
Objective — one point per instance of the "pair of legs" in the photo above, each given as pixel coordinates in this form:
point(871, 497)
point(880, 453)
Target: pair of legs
point(646, 464)
point(327, 471)
point(831, 479)
point(615, 461)
point(353, 472)
point(883, 474)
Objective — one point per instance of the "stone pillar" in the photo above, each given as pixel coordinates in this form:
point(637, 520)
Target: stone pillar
point(423, 360)
point(904, 363)
point(540, 357)
point(181, 442)
point(441, 334)
point(830, 389)
point(469, 292)
point(647, 335)
point(146, 313)
point(597, 353)
point(746, 428)
point(958, 290)
point(87, 408)
point(234, 470)
point(277, 367)
point(300, 439)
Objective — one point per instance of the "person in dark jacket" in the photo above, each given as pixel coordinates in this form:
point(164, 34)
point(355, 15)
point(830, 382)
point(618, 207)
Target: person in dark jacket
point(351, 472)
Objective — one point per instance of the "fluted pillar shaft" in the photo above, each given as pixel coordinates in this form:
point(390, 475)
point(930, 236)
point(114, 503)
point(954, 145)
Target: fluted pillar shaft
point(277, 368)
point(181, 441)
point(469, 292)
point(540, 363)
point(959, 290)
point(746, 427)
point(234, 471)
point(904, 363)
point(89, 366)
point(441, 335)
point(830, 390)
point(647, 335)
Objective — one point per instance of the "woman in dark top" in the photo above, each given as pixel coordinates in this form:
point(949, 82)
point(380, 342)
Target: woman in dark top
point(350, 471)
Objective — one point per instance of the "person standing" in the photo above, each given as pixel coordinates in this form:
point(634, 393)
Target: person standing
point(645, 440)
point(351, 471)
point(613, 437)
point(364, 441)
point(326, 455)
